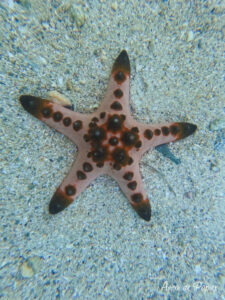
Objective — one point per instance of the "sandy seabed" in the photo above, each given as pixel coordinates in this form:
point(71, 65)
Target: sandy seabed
point(99, 248)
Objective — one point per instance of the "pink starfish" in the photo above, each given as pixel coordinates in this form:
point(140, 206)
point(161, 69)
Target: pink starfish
point(109, 140)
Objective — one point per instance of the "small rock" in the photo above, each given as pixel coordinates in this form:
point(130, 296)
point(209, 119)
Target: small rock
point(77, 15)
point(190, 36)
point(69, 85)
point(58, 98)
point(114, 6)
point(26, 271)
point(29, 267)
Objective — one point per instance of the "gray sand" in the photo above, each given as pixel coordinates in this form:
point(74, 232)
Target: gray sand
point(99, 248)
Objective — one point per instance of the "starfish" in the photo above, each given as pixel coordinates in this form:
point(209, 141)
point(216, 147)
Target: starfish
point(109, 140)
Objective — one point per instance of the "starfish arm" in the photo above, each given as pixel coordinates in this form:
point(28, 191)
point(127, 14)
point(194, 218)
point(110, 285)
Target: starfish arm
point(57, 116)
point(81, 174)
point(130, 181)
point(116, 99)
point(156, 135)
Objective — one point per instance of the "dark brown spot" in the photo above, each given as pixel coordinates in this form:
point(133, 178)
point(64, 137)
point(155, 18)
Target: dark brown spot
point(138, 144)
point(89, 154)
point(148, 134)
point(165, 130)
point(57, 116)
point(128, 175)
point(117, 166)
point(46, 112)
point(119, 77)
point(70, 190)
point(97, 134)
point(132, 185)
point(118, 93)
point(113, 141)
point(174, 129)
point(77, 125)
point(129, 138)
point(102, 115)
point(157, 132)
point(116, 106)
point(114, 123)
point(86, 138)
point(92, 124)
point(99, 154)
point(135, 129)
point(130, 160)
point(87, 167)
point(119, 155)
point(81, 175)
point(100, 164)
point(67, 121)
point(137, 197)
point(95, 119)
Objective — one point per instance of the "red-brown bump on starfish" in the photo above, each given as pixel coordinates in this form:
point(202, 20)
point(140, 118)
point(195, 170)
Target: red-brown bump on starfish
point(109, 141)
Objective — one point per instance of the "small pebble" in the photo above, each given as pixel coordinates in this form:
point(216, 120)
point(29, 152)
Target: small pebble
point(58, 98)
point(29, 267)
point(26, 270)
point(69, 85)
point(190, 36)
point(77, 15)
point(114, 6)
